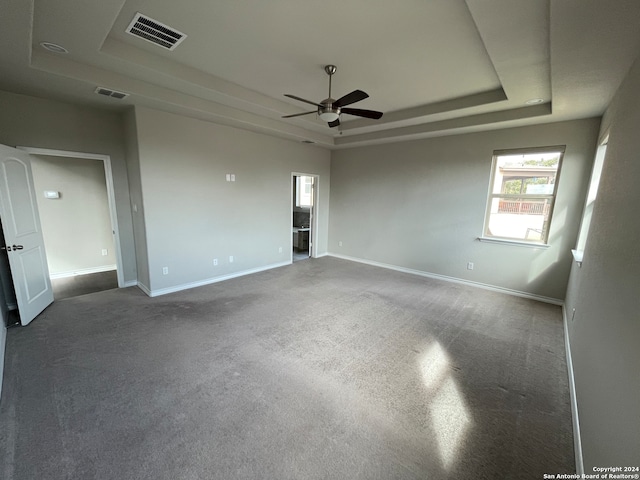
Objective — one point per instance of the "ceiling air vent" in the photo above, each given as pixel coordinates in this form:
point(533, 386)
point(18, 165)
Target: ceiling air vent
point(111, 93)
point(155, 32)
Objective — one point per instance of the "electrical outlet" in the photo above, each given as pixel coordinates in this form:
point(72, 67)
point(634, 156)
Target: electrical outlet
point(340, 244)
point(165, 270)
point(230, 258)
point(470, 266)
point(233, 177)
point(215, 262)
point(104, 252)
point(280, 250)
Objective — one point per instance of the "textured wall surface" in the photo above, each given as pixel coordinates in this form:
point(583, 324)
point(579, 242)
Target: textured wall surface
point(192, 215)
point(76, 226)
point(421, 205)
point(605, 293)
point(35, 122)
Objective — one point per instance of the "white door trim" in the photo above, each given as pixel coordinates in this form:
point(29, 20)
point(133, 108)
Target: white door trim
point(313, 252)
point(108, 173)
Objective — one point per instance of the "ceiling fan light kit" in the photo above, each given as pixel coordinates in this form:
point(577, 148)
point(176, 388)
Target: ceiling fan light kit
point(330, 109)
point(330, 116)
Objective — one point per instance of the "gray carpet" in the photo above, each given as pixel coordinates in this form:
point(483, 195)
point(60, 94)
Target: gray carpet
point(83, 284)
point(325, 369)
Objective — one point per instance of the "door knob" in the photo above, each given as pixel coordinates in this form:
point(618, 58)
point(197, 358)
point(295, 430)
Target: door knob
point(5, 248)
point(17, 247)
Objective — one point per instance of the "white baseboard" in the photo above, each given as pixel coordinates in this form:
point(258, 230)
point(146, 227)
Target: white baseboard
point(130, 283)
point(517, 293)
point(577, 441)
point(82, 271)
point(144, 288)
point(208, 281)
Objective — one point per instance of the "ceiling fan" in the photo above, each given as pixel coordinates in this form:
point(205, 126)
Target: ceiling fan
point(330, 109)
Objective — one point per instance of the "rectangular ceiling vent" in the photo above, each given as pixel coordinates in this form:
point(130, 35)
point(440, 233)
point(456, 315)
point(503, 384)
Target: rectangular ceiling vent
point(111, 93)
point(155, 32)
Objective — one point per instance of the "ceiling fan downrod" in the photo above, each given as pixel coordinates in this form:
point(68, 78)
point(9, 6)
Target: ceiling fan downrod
point(330, 109)
point(330, 69)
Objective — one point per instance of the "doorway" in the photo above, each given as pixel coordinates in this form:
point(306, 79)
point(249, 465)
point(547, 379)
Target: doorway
point(9, 303)
point(303, 215)
point(76, 203)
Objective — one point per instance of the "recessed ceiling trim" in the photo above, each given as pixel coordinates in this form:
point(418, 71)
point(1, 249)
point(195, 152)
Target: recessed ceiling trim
point(468, 101)
point(209, 86)
point(451, 124)
point(162, 98)
point(155, 32)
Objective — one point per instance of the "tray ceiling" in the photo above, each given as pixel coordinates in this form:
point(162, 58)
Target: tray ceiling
point(434, 68)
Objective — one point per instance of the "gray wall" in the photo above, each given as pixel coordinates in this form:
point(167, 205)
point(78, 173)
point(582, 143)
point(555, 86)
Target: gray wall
point(137, 204)
point(605, 292)
point(35, 122)
point(421, 205)
point(77, 226)
point(193, 215)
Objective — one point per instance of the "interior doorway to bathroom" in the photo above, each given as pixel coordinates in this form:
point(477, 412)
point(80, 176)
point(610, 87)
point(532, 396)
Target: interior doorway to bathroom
point(303, 214)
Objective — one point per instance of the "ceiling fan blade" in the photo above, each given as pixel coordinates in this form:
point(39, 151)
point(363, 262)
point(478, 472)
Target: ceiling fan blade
point(335, 123)
point(350, 98)
point(358, 112)
point(299, 114)
point(302, 99)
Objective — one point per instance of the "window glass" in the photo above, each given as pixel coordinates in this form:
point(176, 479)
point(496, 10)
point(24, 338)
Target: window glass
point(591, 195)
point(522, 195)
point(304, 197)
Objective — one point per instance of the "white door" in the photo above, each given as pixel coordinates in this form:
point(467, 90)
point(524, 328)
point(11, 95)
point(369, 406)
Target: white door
point(23, 235)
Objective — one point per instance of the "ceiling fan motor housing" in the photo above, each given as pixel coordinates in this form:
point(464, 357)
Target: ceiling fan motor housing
point(326, 106)
point(330, 109)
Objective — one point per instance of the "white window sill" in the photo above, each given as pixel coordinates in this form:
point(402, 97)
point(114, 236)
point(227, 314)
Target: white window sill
point(577, 256)
point(514, 243)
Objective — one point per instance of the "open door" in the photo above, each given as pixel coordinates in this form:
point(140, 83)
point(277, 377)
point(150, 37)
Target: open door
point(303, 215)
point(23, 236)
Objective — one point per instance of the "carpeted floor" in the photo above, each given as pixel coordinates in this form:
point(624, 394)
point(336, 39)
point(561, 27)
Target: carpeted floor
point(325, 369)
point(83, 284)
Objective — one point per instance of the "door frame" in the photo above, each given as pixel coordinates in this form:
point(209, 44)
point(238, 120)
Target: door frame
point(108, 174)
point(313, 249)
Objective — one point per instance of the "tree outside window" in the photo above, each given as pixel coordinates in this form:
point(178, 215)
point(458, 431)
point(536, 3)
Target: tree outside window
point(522, 194)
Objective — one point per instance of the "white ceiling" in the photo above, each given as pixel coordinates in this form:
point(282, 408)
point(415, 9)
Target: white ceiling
point(434, 67)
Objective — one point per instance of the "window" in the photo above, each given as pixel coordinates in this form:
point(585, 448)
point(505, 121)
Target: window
point(522, 193)
point(304, 191)
point(596, 173)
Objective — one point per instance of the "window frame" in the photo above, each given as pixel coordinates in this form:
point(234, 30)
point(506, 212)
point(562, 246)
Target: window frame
point(592, 193)
point(543, 242)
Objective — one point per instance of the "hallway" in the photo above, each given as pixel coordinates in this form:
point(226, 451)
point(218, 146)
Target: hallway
point(83, 284)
